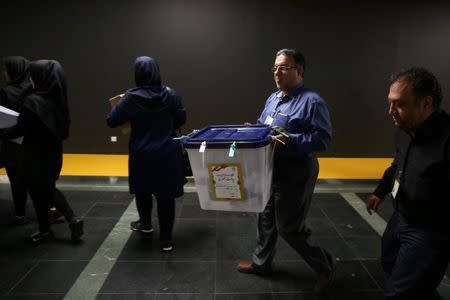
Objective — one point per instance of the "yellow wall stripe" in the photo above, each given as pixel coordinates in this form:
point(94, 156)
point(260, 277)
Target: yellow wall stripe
point(117, 165)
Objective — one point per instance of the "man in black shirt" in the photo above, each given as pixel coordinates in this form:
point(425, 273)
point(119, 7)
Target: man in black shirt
point(416, 242)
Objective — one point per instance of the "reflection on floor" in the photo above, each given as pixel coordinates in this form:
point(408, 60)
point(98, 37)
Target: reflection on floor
point(207, 246)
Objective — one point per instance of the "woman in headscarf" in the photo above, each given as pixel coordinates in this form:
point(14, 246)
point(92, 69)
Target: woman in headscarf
point(15, 72)
point(44, 123)
point(155, 165)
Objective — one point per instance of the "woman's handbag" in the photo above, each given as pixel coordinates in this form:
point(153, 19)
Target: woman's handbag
point(187, 170)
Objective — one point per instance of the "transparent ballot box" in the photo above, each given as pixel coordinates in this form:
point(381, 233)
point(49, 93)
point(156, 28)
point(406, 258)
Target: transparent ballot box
point(232, 166)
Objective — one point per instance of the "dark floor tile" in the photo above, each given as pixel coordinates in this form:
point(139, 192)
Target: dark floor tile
point(229, 280)
point(327, 199)
point(353, 226)
point(315, 212)
point(36, 297)
point(235, 247)
point(337, 246)
point(365, 248)
point(134, 277)
point(267, 296)
point(193, 240)
point(375, 270)
point(62, 248)
point(284, 251)
point(190, 211)
point(321, 227)
point(125, 297)
point(236, 223)
point(187, 277)
point(189, 199)
point(294, 276)
point(184, 296)
point(12, 272)
point(351, 277)
point(50, 277)
point(300, 296)
point(342, 211)
point(107, 210)
point(372, 295)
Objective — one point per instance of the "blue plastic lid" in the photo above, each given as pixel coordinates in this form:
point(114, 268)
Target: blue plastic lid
point(222, 136)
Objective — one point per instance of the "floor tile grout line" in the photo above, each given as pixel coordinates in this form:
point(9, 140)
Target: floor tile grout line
point(8, 293)
point(377, 223)
point(375, 220)
point(92, 278)
point(89, 209)
point(348, 245)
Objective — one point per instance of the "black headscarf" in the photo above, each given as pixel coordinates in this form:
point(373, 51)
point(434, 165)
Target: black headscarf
point(49, 97)
point(17, 68)
point(18, 86)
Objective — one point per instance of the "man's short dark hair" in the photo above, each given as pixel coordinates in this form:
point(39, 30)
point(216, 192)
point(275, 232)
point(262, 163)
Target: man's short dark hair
point(298, 57)
point(423, 82)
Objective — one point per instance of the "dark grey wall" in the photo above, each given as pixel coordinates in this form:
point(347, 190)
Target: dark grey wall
point(217, 54)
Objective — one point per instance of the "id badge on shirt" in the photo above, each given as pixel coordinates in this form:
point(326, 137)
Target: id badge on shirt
point(269, 120)
point(395, 188)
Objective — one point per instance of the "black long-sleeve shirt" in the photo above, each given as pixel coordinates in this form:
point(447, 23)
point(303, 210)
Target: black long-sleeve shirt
point(422, 167)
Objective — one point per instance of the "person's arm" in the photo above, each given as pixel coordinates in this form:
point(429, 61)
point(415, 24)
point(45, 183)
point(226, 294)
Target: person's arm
point(18, 130)
point(119, 114)
point(384, 187)
point(317, 136)
point(179, 113)
point(3, 98)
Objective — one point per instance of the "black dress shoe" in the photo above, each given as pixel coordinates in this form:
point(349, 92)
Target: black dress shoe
point(76, 226)
point(40, 237)
point(139, 226)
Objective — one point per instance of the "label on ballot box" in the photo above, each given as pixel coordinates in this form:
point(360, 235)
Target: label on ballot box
point(125, 128)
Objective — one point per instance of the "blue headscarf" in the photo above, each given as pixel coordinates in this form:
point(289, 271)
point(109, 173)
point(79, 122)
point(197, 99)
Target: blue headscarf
point(147, 77)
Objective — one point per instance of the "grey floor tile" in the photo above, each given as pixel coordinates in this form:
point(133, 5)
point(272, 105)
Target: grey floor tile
point(300, 296)
point(190, 199)
point(184, 296)
point(107, 210)
point(336, 246)
point(365, 248)
point(267, 296)
point(372, 295)
point(12, 272)
point(315, 212)
point(190, 211)
point(50, 277)
point(194, 240)
point(134, 277)
point(375, 270)
point(327, 199)
point(229, 280)
point(353, 226)
point(187, 277)
point(352, 277)
point(321, 227)
point(35, 297)
point(125, 297)
point(285, 252)
point(235, 223)
point(291, 277)
point(235, 247)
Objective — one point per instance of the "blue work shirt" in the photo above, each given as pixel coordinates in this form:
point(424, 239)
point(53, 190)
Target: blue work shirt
point(304, 114)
